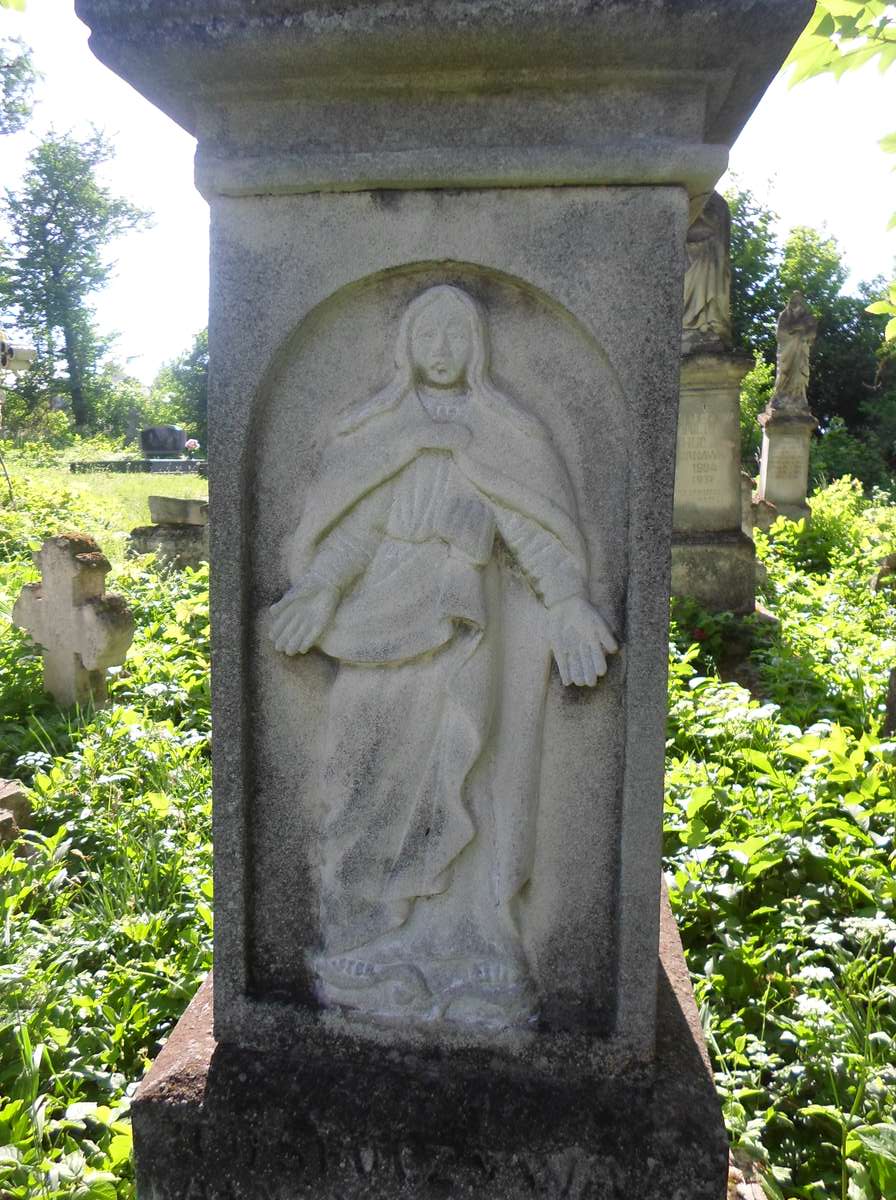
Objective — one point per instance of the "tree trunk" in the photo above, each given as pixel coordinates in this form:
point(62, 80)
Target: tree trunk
point(75, 378)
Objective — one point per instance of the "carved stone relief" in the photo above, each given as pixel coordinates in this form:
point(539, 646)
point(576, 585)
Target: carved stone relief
point(430, 497)
point(706, 319)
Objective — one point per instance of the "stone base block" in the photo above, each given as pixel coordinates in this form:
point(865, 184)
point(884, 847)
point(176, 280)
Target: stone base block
point(718, 570)
point(176, 545)
point(128, 466)
point(216, 1122)
point(794, 512)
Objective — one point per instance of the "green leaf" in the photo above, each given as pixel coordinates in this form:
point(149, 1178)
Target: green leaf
point(881, 306)
point(890, 331)
point(120, 1149)
point(880, 1140)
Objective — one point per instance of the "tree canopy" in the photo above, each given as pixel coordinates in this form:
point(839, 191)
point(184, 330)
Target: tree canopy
point(60, 223)
point(842, 36)
point(17, 78)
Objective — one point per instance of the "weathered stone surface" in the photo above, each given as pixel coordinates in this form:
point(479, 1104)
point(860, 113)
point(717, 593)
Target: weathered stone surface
point(176, 545)
point(14, 798)
point(707, 460)
point(706, 320)
point(746, 504)
point(712, 559)
point(540, 264)
point(717, 570)
point(9, 829)
point(340, 1118)
point(784, 466)
point(177, 510)
point(81, 630)
point(511, 94)
point(787, 424)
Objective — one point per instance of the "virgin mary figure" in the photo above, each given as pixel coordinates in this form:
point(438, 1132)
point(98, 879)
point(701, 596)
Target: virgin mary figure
point(440, 563)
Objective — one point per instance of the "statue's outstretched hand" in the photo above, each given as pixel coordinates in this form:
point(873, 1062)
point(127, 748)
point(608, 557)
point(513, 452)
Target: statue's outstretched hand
point(580, 641)
point(302, 615)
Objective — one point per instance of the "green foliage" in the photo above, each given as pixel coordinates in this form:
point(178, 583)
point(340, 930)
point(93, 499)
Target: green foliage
point(17, 79)
point(837, 452)
point(755, 393)
point(780, 850)
point(107, 900)
point(850, 391)
point(61, 223)
point(841, 36)
point(182, 386)
point(755, 284)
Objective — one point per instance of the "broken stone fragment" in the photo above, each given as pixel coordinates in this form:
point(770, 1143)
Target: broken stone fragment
point(14, 799)
point(9, 830)
point(81, 630)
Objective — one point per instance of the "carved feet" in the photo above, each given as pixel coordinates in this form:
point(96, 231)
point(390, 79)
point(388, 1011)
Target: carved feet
point(496, 993)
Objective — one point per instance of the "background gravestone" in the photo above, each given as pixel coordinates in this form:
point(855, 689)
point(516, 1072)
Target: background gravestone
point(178, 534)
point(787, 424)
point(537, 162)
point(713, 558)
point(162, 440)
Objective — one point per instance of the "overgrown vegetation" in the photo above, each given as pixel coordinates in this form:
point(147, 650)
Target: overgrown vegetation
point(106, 901)
point(779, 853)
point(852, 385)
point(780, 812)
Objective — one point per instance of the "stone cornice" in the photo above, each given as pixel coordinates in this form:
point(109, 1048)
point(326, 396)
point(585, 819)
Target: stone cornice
point(293, 95)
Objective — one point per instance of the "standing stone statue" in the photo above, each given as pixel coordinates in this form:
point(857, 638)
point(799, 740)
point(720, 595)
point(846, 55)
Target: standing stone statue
point(429, 828)
point(713, 558)
point(706, 319)
point(447, 264)
point(797, 328)
point(787, 424)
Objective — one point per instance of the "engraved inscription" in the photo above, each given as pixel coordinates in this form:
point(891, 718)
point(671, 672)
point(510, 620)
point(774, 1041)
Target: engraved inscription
point(442, 510)
point(700, 475)
point(790, 465)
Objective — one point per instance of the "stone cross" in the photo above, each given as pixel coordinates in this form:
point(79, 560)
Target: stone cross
point(81, 631)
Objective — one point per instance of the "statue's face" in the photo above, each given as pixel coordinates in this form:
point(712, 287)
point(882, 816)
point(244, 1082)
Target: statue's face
point(441, 345)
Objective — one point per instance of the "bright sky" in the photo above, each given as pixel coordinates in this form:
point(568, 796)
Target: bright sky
point(811, 152)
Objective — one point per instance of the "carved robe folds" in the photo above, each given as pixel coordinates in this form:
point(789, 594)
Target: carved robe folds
point(420, 799)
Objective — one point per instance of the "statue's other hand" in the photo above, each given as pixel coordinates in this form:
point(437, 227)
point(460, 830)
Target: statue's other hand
point(299, 619)
point(580, 641)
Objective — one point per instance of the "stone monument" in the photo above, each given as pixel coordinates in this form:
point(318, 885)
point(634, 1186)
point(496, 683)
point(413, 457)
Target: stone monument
point(787, 424)
point(81, 630)
point(162, 441)
point(178, 534)
point(445, 337)
point(713, 558)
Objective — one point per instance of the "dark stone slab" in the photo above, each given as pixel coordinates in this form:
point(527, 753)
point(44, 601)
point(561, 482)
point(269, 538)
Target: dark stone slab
point(127, 466)
point(217, 1122)
point(162, 439)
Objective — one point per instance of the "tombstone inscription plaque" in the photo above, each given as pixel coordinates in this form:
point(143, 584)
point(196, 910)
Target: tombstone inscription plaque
point(450, 236)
